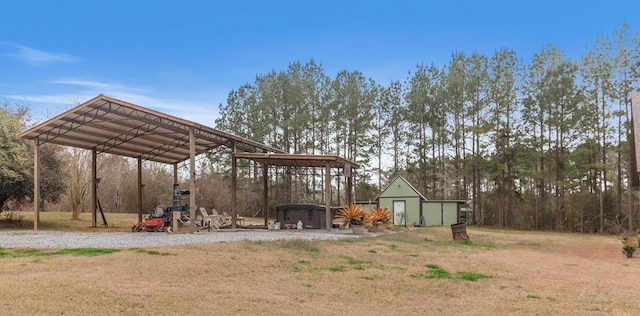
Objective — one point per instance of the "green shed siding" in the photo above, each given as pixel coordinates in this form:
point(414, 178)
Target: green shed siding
point(439, 213)
point(431, 213)
point(369, 207)
point(400, 190)
point(450, 213)
point(435, 213)
point(412, 207)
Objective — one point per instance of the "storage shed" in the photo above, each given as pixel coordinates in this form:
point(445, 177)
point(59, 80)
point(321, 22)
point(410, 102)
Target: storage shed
point(409, 206)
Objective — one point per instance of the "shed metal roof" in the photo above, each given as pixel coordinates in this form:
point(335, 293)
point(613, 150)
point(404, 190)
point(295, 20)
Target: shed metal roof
point(283, 159)
point(117, 127)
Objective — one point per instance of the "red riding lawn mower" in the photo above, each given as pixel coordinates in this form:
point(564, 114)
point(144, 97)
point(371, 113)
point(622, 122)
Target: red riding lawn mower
point(156, 222)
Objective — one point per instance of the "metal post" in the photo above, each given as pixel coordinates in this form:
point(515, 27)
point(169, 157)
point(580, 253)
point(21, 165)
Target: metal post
point(234, 184)
point(349, 176)
point(36, 184)
point(174, 213)
point(139, 189)
point(94, 189)
point(192, 180)
point(327, 197)
point(265, 193)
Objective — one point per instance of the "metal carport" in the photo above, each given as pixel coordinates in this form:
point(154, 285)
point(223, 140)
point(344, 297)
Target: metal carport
point(294, 160)
point(108, 125)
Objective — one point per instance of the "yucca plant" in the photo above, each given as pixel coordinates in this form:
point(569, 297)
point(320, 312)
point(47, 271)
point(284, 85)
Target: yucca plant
point(380, 216)
point(352, 215)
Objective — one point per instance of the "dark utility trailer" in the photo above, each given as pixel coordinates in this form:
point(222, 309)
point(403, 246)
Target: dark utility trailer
point(311, 215)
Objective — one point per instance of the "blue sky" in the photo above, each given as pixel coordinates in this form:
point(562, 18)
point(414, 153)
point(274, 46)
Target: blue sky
point(183, 57)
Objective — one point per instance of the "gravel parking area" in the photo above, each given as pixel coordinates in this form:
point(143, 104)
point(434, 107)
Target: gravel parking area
point(57, 240)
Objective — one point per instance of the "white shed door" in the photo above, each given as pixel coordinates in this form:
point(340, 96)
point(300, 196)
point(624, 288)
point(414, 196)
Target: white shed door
point(399, 213)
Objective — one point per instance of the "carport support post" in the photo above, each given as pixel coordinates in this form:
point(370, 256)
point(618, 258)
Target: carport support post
point(265, 193)
point(36, 184)
point(174, 213)
point(139, 189)
point(234, 184)
point(327, 197)
point(192, 180)
point(349, 193)
point(175, 173)
point(94, 189)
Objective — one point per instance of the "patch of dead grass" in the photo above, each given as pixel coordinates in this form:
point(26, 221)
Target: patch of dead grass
point(529, 273)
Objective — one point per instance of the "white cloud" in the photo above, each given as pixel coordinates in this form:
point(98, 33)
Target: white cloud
point(95, 85)
point(33, 56)
point(200, 111)
point(196, 111)
point(59, 99)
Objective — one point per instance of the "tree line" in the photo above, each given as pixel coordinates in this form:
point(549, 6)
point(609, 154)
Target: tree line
point(536, 144)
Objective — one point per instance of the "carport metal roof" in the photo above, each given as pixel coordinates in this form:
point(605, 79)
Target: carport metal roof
point(122, 128)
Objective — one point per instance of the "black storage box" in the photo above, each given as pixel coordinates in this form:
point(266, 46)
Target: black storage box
point(312, 215)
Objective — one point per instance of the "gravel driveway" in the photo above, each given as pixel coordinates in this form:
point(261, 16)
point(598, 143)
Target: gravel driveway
point(56, 240)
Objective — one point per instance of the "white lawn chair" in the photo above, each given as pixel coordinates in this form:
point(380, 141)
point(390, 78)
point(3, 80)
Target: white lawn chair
point(210, 220)
point(224, 221)
point(239, 219)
